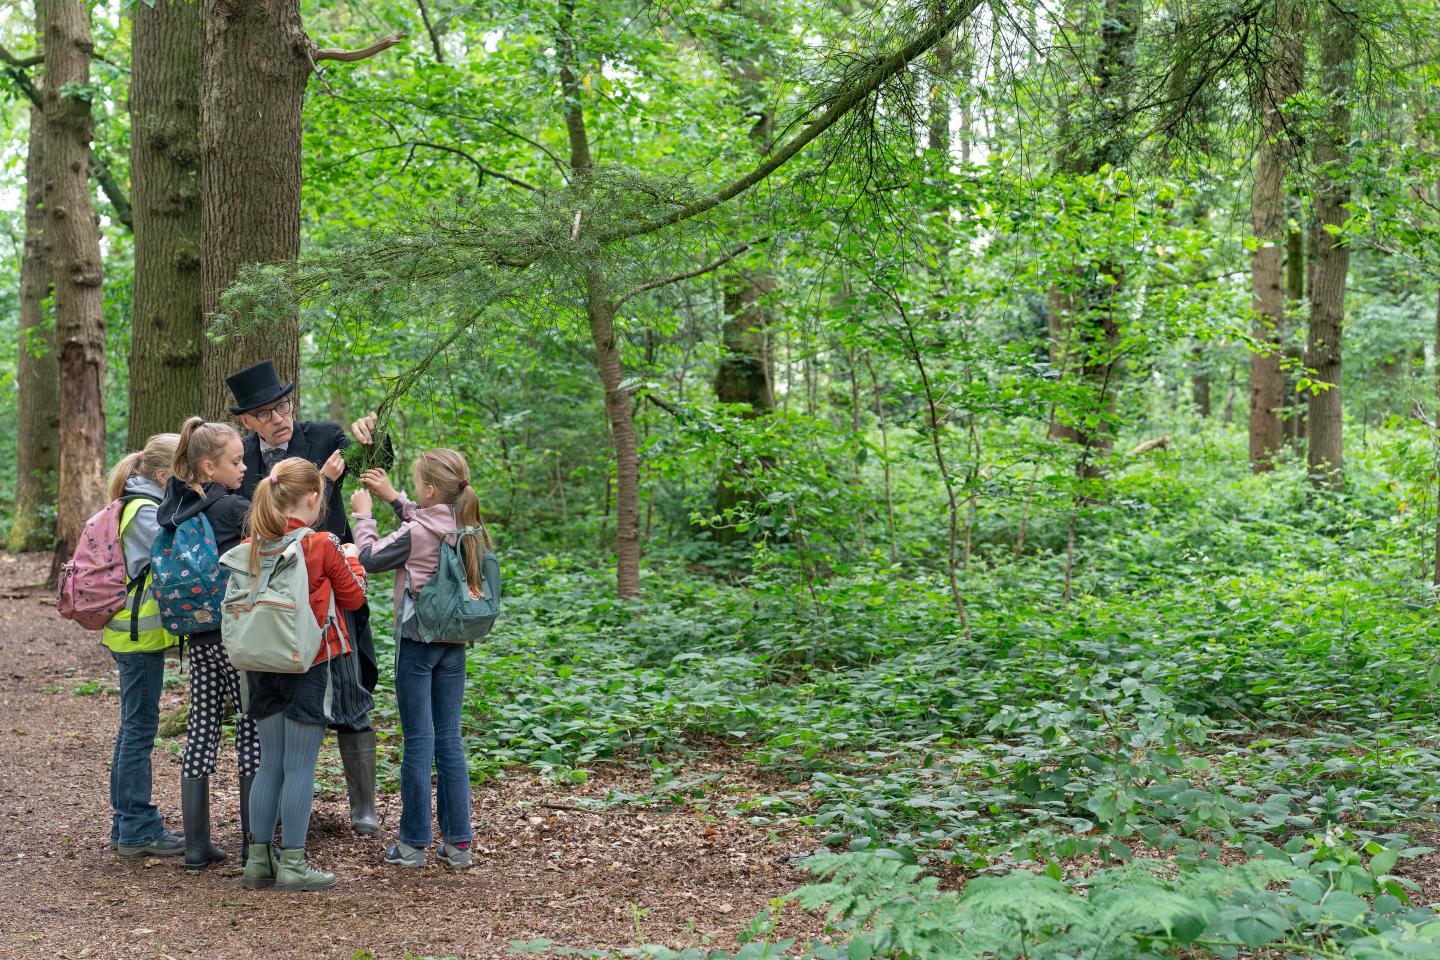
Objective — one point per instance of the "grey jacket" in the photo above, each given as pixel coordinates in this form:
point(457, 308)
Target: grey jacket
point(143, 526)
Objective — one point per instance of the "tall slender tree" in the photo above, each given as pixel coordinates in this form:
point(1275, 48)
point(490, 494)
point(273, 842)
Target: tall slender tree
point(600, 313)
point(1330, 256)
point(167, 333)
point(75, 249)
point(1267, 218)
point(37, 376)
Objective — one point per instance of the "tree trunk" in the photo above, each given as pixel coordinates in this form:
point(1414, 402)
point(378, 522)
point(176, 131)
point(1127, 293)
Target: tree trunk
point(1200, 381)
point(1267, 219)
point(75, 249)
point(37, 375)
point(743, 373)
point(600, 312)
point(1330, 259)
point(1083, 325)
point(167, 333)
point(1294, 294)
point(254, 68)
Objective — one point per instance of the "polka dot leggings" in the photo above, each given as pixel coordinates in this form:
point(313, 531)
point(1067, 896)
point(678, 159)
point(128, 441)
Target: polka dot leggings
point(212, 682)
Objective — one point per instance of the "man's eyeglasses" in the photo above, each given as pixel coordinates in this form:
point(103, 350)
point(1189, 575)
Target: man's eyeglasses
point(282, 408)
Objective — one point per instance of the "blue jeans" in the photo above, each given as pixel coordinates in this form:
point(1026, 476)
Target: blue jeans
point(136, 821)
point(430, 686)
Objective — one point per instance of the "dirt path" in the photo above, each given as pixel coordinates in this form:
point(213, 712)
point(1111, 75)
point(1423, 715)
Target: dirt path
point(576, 878)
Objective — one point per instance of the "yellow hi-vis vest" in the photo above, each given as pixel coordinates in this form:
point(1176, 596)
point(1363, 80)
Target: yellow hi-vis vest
point(148, 634)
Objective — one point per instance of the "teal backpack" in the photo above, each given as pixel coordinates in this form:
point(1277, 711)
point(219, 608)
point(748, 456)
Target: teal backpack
point(446, 610)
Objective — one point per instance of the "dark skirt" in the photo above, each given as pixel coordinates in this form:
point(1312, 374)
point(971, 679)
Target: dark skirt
point(301, 697)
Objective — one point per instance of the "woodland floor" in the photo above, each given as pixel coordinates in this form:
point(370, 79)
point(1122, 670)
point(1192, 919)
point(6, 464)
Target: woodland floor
point(576, 878)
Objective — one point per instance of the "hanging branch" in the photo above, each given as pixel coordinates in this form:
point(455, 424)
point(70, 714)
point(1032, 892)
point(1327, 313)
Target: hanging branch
point(837, 106)
point(691, 275)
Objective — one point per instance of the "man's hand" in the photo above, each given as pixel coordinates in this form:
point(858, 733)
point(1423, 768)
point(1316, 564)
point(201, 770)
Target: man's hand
point(379, 483)
point(363, 430)
point(360, 501)
point(333, 467)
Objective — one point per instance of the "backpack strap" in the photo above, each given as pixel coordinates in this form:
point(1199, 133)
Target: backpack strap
point(481, 537)
point(263, 581)
point(134, 586)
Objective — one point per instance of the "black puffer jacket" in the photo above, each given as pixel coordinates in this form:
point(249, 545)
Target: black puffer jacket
point(226, 512)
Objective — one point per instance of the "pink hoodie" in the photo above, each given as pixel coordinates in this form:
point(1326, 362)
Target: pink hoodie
point(415, 545)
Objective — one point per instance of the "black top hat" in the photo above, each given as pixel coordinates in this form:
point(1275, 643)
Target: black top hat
point(256, 386)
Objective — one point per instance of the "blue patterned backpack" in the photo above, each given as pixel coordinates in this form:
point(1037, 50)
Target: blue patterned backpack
point(186, 577)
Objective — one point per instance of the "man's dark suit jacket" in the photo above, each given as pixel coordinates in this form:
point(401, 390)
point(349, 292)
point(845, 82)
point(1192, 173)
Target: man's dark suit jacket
point(314, 441)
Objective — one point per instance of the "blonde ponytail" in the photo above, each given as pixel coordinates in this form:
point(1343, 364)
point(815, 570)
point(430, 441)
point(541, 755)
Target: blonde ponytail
point(449, 474)
point(199, 441)
point(276, 497)
point(156, 458)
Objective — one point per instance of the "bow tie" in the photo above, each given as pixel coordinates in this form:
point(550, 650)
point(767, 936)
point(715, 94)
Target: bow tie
point(273, 456)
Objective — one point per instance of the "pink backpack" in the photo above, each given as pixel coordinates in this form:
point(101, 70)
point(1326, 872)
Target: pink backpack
point(93, 585)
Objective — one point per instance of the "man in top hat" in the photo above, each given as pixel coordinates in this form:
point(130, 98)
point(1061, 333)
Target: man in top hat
point(265, 408)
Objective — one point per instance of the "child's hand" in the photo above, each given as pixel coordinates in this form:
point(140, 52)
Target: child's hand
point(379, 483)
point(350, 550)
point(363, 430)
point(360, 501)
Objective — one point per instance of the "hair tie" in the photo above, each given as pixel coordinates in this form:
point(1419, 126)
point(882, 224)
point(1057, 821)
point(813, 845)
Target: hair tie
point(464, 484)
point(274, 478)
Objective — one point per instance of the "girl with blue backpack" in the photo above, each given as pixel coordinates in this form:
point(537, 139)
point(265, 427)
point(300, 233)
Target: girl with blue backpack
point(293, 708)
point(138, 642)
point(200, 518)
point(429, 672)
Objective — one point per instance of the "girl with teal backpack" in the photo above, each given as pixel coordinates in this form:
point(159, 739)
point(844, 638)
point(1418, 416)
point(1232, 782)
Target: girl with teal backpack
point(446, 593)
point(200, 518)
point(136, 640)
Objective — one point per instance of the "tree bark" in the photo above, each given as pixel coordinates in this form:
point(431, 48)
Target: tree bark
point(167, 332)
point(75, 249)
point(1330, 259)
point(1267, 218)
point(37, 383)
point(600, 312)
point(254, 68)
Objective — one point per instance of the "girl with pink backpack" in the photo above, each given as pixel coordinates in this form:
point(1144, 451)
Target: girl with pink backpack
point(138, 642)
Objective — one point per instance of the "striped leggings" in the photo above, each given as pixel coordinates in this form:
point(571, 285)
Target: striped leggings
point(284, 788)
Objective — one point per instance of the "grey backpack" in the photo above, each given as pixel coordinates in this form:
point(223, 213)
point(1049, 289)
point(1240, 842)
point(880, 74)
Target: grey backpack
point(266, 621)
point(446, 610)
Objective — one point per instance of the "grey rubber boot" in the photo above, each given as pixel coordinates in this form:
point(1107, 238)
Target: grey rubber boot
point(245, 838)
point(195, 807)
point(293, 873)
point(357, 753)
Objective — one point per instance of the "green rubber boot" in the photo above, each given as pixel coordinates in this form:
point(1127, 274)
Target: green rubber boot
point(293, 873)
point(259, 867)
